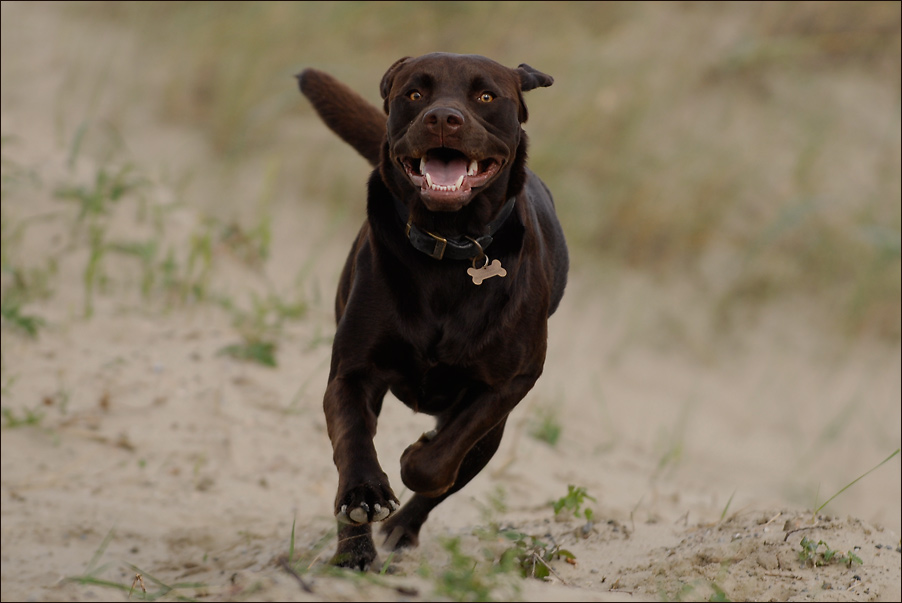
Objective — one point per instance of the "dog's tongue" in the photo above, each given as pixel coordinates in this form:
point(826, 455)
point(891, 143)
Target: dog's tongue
point(444, 173)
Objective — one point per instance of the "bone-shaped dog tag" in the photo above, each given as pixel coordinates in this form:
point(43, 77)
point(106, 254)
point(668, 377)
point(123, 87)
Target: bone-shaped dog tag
point(487, 271)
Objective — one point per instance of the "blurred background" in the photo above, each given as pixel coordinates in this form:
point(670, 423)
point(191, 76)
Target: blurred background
point(740, 161)
point(750, 148)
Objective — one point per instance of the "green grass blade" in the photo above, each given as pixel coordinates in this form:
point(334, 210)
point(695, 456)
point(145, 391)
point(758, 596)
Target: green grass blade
point(727, 508)
point(852, 483)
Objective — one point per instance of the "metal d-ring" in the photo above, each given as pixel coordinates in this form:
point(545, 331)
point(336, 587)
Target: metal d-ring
point(481, 254)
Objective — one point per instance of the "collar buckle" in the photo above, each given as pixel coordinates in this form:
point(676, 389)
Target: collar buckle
point(441, 243)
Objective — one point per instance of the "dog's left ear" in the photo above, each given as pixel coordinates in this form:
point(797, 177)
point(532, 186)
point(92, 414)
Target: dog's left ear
point(532, 78)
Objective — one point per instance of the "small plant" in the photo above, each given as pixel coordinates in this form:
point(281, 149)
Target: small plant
point(532, 556)
point(11, 311)
point(109, 186)
point(29, 417)
point(296, 565)
point(261, 352)
point(811, 557)
point(546, 427)
point(573, 503)
point(93, 571)
point(853, 482)
point(465, 578)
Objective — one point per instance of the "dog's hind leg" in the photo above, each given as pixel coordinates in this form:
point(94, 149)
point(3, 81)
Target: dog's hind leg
point(403, 528)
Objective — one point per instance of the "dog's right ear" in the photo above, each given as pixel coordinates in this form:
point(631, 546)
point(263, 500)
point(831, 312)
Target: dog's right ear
point(388, 80)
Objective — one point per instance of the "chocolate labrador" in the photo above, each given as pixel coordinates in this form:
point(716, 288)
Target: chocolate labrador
point(445, 297)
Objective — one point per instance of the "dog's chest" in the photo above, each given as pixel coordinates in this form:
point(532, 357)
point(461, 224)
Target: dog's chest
point(439, 369)
point(435, 389)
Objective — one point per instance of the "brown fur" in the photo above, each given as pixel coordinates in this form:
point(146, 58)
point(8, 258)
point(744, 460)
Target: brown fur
point(418, 326)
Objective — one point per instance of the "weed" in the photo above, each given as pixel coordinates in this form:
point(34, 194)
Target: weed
point(92, 572)
point(546, 427)
point(293, 566)
point(145, 252)
point(532, 555)
point(92, 273)
point(674, 441)
point(11, 312)
point(719, 596)
point(109, 186)
point(811, 557)
point(726, 508)
point(465, 578)
point(853, 482)
point(698, 590)
point(29, 417)
point(6, 387)
point(267, 315)
point(261, 352)
point(573, 502)
point(260, 326)
point(496, 503)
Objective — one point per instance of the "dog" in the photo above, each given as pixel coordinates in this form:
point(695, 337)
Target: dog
point(445, 296)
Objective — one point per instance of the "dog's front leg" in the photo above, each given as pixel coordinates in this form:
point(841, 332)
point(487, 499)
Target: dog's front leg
point(364, 495)
point(430, 466)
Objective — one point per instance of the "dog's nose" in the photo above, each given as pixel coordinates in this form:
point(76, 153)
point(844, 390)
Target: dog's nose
point(443, 120)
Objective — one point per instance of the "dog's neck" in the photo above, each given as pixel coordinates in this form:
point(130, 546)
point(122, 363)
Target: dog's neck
point(457, 248)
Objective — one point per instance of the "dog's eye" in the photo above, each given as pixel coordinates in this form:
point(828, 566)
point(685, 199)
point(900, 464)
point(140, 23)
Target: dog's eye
point(414, 95)
point(486, 97)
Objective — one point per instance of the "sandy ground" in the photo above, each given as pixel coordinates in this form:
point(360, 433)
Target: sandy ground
point(155, 454)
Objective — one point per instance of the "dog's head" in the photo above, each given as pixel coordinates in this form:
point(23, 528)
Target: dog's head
point(454, 129)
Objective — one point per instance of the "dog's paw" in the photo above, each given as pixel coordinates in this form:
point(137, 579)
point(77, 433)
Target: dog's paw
point(356, 549)
point(364, 514)
point(366, 503)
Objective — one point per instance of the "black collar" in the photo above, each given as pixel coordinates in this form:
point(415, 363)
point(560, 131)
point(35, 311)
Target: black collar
point(461, 248)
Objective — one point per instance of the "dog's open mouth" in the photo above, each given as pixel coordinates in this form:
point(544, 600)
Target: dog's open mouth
point(446, 177)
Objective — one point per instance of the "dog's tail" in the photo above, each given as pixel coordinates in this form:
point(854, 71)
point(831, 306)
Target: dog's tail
point(356, 121)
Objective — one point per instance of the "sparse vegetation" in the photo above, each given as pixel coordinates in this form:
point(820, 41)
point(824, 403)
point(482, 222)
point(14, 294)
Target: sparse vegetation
point(532, 555)
point(173, 270)
point(11, 312)
point(546, 426)
point(810, 556)
point(467, 578)
point(574, 503)
point(854, 481)
point(27, 417)
point(137, 578)
point(261, 352)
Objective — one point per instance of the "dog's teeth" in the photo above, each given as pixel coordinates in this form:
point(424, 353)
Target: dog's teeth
point(428, 180)
point(474, 168)
point(459, 182)
point(423, 165)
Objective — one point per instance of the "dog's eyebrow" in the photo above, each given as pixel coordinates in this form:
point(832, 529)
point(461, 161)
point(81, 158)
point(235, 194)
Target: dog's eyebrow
point(423, 81)
point(481, 84)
